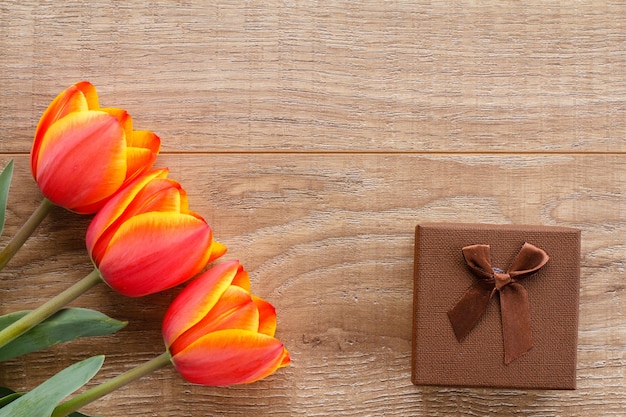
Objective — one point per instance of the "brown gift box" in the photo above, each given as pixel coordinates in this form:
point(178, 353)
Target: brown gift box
point(442, 277)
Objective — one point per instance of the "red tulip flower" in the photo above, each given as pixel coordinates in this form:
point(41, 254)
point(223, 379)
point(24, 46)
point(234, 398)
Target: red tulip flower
point(145, 239)
point(82, 154)
point(218, 334)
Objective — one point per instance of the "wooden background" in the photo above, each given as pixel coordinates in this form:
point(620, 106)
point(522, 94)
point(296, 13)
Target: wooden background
point(314, 136)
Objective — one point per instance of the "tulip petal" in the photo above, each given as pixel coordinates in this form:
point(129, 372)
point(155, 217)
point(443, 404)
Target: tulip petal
point(242, 279)
point(117, 205)
point(152, 252)
point(68, 101)
point(217, 250)
point(159, 195)
point(197, 299)
point(166, 200)
point(139, 161)
point(124, 118)
point(89, 91)
point(234, 310)
point(143, 145)
point(81, 160)
point(229, 357)
point(144, 139)
point(267, 316)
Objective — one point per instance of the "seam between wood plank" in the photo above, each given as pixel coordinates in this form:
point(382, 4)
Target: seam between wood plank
point(388, 152)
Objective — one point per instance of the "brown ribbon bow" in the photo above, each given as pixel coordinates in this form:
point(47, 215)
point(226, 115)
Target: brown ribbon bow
point(514, 308)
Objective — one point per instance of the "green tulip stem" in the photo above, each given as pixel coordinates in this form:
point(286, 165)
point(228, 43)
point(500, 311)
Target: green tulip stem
point(25, 231)
point(50, 307)
point(111, 385)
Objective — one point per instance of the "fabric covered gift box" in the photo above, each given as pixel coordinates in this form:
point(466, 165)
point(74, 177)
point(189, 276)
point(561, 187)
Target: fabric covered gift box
point(495, 305)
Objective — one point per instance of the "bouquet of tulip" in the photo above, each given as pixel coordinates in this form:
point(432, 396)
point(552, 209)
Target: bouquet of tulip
point(143, 239)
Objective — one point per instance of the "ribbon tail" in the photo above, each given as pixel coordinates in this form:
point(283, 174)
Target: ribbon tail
point(470, 308)
point(516, 329)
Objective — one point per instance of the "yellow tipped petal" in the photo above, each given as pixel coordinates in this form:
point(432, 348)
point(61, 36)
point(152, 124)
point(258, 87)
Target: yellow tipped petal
point(234, 310)
point(138, 161)
point(197, 299)
point(90, 94)
point(117, 205)
point(242, 279)
point(267, 316)
point(144, 139)
point(217, 250)
point(70, 100)
point(155, 251)
point(230, 357)
point(82, 159)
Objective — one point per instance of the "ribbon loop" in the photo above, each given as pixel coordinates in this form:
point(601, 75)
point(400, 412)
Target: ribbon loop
point(514, 306)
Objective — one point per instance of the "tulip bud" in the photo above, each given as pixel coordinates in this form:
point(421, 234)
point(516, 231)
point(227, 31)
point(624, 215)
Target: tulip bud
point(145, 239)
point(82, 154)
point(219, 334)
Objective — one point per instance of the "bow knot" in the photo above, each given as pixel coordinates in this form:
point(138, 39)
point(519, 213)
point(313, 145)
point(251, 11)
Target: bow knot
point(514, 307)
point(501, 278)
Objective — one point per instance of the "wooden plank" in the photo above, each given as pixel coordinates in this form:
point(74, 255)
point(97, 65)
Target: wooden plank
point(342, 76)
point(329, 240)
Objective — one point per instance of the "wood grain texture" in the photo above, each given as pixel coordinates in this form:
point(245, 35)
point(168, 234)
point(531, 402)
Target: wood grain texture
point(314, 136)
point(341, 75)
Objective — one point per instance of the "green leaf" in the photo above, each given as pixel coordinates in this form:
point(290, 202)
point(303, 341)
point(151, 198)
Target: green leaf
point(7, 399)
point(42, 400)
point(4, 391)
point(7, 395)
point(77, 414)
point(65, 325)
point(5, 181)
